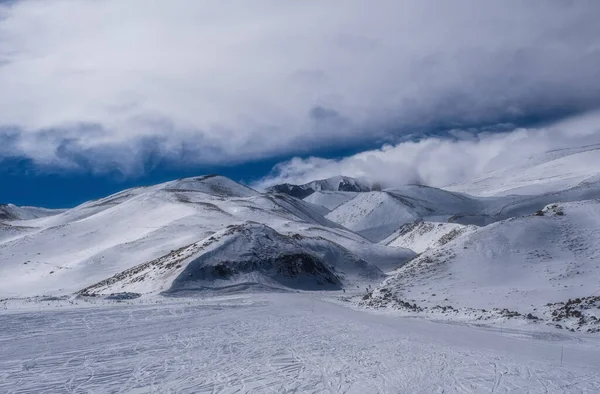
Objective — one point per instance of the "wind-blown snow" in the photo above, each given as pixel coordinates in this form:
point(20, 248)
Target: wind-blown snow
point(340, 183)
point(551, 172)
point(334, 184)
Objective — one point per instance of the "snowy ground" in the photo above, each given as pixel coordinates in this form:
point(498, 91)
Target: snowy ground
point(276, 342)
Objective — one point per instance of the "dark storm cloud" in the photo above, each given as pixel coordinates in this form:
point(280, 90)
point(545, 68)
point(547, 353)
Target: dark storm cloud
point(219, 82)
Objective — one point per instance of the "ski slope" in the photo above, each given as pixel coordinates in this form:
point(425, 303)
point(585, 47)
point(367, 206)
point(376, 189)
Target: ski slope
point(277, 343)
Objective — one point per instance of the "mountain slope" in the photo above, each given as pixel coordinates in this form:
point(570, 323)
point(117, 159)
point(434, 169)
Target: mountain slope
point(246, 255)
point(551, 172)
point(420, 236)
point(328, 199)
point(376, 215)
point(10, 212)
point(98, 239)
point(529, 265)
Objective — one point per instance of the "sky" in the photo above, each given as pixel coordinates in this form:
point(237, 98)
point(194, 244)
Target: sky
point(97, 96)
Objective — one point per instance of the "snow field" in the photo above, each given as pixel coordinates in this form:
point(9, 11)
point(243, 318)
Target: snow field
point(278, 343)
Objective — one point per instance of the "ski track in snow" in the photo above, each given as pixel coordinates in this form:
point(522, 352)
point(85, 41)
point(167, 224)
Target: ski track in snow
point(278, 343)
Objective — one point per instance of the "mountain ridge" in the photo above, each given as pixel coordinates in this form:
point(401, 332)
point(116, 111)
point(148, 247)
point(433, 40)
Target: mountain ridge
point(333, 184)
point(62, 253)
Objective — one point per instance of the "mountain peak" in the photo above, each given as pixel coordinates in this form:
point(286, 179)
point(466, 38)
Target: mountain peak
point(336, 183)
point(214, 184)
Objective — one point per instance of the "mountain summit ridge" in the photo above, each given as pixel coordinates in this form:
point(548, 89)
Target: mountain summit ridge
point(339, 183)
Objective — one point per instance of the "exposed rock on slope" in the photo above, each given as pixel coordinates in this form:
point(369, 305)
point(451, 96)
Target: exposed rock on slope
point(527, 265)
point(10, 212)
point(421, 236)
point(246, 255)
point(338, 183)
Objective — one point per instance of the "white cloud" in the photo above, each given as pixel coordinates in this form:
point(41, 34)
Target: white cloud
point(444, 161)
point(231, 80)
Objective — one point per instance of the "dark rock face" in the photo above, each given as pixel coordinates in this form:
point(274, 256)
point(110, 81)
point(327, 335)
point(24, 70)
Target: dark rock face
point(6, 213)
point(289, 265)
point(298, 264)
point(346, 186)
point(292, 190)
point(303, 191)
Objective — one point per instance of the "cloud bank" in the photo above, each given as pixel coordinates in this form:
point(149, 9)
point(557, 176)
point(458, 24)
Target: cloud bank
point(459, 157)
point(112, 84)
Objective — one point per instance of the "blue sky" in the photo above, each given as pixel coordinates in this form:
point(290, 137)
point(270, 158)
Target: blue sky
point(30, 185)
point(99, 96)
point(63, 190)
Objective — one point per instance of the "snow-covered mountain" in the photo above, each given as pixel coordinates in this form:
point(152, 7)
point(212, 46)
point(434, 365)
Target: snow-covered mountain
point(376, 215)
point(333, 184)
point(250, 254)
point(481, 255)
point(518, 189)
point(79, 247)
point(544, 266)
point(550, 172)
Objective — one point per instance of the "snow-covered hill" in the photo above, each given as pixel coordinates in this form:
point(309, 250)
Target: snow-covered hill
point(420, 236)
point(67, 252)
point(516, 189)
point(376, 215)
point(246, 255)
point(10, 213)
point(542, 266)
